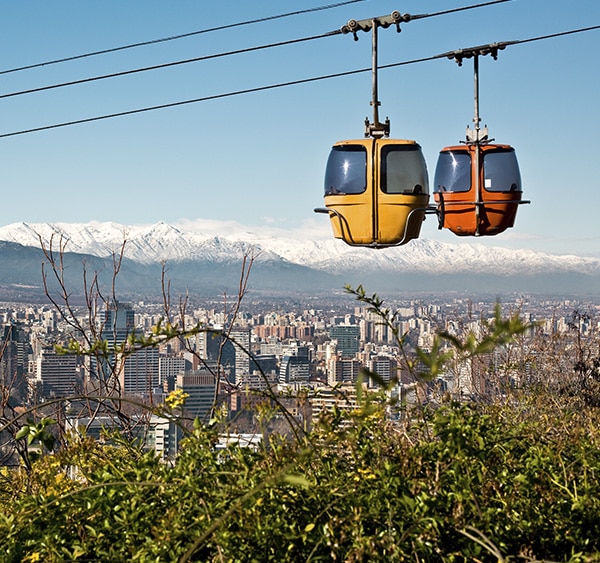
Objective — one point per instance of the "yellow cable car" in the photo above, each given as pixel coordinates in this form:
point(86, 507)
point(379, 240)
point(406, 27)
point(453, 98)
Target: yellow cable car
point(477, 188)
point(376, 188)
point(376, 191)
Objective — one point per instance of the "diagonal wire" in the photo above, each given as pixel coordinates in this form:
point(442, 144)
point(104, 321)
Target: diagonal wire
point(174, 37)
point(453, 10)
point(167, 65)
point(281, 85)
point(224, 54)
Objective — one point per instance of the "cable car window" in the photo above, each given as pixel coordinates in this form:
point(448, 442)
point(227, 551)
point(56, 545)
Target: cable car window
point(453, 172)
point(346, 171)
point(501, 171)
point(403, 170)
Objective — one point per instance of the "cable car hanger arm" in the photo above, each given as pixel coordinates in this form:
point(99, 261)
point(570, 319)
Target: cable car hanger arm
point(376, 130)
point(353, 26)
point(490, 49)
point(396, 18)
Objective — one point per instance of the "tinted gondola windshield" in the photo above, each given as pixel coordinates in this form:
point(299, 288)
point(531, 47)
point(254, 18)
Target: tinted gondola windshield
point(346, 171)
point(453, 172)
point(501, 171)
point(403, 170)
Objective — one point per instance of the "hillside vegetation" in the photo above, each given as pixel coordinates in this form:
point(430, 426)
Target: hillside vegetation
point(509, 476)
point(510, 481)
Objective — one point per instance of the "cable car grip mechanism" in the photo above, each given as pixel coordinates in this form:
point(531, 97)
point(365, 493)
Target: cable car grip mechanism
point(354, 26)
point(376, 130)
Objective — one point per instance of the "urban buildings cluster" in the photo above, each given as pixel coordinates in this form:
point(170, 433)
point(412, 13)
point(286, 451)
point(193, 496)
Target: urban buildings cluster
point(235, 360)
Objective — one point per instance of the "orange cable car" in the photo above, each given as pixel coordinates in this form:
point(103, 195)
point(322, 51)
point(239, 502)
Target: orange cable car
point(477, 186)
point(376, 189)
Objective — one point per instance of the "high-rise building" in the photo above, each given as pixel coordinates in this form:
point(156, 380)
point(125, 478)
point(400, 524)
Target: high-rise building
point(240, 338)
point(295, 367)
point(155, 433)
point(168, 368)
point(328, 399)
point(15, 351)
point(264, 374)
point(216, 346)
point(342, 370)
point(200, 386)
point(385, 367)
point(118, 322)
point(267, 363)
point(138, 374)
point(348, 339)
point(58, 374)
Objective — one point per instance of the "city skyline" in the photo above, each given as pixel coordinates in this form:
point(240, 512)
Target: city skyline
point(257, 160)
point(305, 346)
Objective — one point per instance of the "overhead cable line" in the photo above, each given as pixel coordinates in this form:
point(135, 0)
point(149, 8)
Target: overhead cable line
point(180, 36)
point(449, 54)
point(186, 102)
point(407, 17)
point(492, 48)
point(224, 27)
point(167, 65)
point(553, 35)
point(453, 10)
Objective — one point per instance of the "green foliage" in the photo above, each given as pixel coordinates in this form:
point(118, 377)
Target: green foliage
point(522, 476)
point(37, 436)
point(446, 346)
point(514, 480)
point(37, 432)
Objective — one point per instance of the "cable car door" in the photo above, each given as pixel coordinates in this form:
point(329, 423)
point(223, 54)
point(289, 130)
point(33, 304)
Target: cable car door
point(402, 193)
point(349, 193)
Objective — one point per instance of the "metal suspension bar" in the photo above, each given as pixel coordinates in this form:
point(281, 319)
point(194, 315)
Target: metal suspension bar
point(374, 66)
point(476, 120)
point(375, 129)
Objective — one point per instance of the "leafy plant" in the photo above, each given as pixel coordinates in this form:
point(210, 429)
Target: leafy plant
point(513, 479)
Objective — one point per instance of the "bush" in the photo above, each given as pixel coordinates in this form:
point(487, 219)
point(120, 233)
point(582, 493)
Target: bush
point(464, 482)
point(511, 479)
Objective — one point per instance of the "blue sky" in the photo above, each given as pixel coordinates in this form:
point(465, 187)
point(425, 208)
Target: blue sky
point(258, 159)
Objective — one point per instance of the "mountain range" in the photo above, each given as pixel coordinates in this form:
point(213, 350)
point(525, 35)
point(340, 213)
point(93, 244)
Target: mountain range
point(205, 263)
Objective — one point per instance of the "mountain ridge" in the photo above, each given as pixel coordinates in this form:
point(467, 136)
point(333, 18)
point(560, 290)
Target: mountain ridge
point(164, 242)
point(194, 256)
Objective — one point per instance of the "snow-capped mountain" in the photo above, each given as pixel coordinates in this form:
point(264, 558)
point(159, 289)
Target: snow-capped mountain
point(296, 262)
point(163, 242)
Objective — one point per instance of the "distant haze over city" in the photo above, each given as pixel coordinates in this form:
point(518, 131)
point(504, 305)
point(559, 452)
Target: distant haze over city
point(201, 261)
